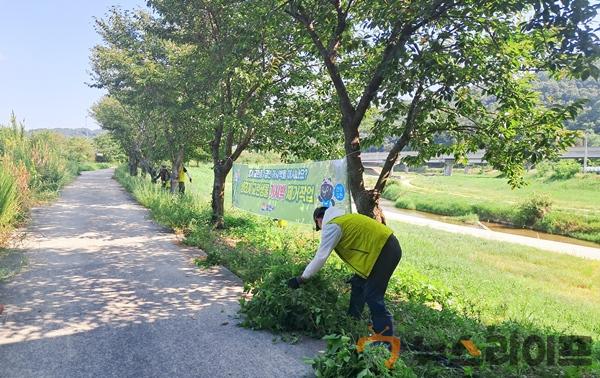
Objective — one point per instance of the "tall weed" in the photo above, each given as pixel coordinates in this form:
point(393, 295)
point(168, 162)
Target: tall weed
point(33, 168)
point(8, 205)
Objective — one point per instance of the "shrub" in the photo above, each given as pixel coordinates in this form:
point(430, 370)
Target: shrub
point(586, 227)
point(8, 198)
point(451, 207)
point(403, 203)
point(9, 206)
point(565, 169)
point(392, 191)
point(534, 209)
point(492, 212)
point(543, 169)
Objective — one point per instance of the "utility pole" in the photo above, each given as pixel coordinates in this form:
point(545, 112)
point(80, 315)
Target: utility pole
point(585, 150)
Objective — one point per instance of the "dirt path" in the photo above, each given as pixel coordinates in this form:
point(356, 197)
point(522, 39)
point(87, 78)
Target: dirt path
point(392, 213)
point(109, 293)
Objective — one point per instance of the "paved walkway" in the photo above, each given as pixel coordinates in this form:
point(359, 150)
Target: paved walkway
point(108, 293)
point(392, 213)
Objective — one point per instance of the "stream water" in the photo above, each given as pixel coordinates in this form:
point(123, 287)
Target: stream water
point(497, 227)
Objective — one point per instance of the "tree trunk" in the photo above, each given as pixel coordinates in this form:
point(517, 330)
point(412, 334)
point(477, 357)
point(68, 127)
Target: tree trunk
point(366, 201)
point(133, 166)
point(221, 170)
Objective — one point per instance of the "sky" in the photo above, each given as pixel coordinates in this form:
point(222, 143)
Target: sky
point(44, 60)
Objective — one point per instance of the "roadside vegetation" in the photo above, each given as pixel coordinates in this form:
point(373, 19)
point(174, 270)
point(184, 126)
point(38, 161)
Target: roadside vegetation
point(556, 199)
point(447, 287)
point(33, 168)
point(321, 80)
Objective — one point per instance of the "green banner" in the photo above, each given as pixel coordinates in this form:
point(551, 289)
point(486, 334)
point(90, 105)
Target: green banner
point(291, 191)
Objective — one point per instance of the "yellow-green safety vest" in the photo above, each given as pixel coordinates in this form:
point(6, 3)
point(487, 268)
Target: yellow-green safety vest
point(361, 242)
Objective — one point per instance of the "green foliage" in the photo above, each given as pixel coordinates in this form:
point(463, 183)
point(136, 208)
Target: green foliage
point(315, 309)
point(594, 138)
point(565, 169)
point(562, 170)
point(8, 199)
point(403, 203)
point(266, 157)
point(417, 81)
point(544, 169)
point(79, 150)
point(341, 359)
point(87, 166)
point(392, 190)
point(109, 147)
point(534, 209)
point(584, 227)
point(446, 286)
point(564, 90)
point(49, 158)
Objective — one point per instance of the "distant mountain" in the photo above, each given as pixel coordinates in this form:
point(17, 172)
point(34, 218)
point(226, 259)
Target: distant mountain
point(79, 132)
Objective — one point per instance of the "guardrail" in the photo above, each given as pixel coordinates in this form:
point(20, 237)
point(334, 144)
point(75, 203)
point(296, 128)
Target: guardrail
point(477, 157)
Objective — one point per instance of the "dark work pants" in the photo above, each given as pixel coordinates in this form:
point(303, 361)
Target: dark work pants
point(372, 289)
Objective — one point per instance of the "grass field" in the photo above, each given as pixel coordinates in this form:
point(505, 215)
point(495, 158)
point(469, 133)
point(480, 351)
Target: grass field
point(573, 205)
point(506, 281)
point(446, 285)
point(578, 194)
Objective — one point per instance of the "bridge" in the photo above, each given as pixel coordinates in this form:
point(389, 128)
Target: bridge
point(376, 159)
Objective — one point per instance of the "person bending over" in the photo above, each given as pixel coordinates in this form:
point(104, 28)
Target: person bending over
point(370, 249)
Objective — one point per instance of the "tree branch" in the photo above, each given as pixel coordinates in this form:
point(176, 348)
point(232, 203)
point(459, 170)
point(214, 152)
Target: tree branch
point(411, 116)
point(299, 14)
point(342, 15)
point(241, 146)
point(218, 133)
point(400, 35)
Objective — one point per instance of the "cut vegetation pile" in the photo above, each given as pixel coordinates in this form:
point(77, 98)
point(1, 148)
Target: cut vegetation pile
point(431, 316)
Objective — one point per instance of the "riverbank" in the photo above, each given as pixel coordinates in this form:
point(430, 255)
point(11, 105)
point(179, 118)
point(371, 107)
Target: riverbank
point(569, 207)
point(588, 252)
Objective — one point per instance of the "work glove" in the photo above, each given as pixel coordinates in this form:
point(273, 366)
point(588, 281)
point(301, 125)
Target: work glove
point(294, 283)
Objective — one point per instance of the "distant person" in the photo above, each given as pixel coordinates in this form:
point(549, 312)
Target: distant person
point(181, 178)
point(370, 249)
point(164, 175)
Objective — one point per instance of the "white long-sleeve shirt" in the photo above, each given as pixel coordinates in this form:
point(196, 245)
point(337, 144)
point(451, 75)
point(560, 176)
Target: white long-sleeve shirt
point(330, 235)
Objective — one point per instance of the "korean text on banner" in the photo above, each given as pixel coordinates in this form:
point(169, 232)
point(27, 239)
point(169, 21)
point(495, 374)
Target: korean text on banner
point(291, 191)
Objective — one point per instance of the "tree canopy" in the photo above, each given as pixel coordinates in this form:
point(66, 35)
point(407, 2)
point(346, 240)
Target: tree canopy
point(307, 77)
point(566, 91)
